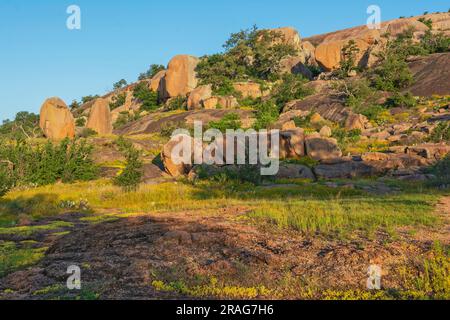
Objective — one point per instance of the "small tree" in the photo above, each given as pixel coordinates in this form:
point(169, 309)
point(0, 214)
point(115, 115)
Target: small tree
point(147, 97)
point(348, 58)
point(120, 84)
point(132, 174)
point(290, 88)
point(6, 178)
point(118, 101)
point(151, 72)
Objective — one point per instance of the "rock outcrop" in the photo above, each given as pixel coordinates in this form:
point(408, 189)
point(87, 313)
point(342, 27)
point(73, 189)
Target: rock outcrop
point(295, 65)
point(172, 160)
point(155, 82)
point(321, 148)
point(100, 119)
point(227, 102)
point(295, 171)
point(248, 89)
point(180, 78)
point(198, 96)
point(292, 144)
point(56, 120)
point(329, 54)
point(431, 75)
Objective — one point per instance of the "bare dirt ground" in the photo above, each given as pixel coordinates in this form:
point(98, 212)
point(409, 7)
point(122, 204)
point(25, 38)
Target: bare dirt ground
point(120, 259)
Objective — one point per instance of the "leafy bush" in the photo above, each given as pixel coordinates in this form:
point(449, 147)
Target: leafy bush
point(378, 114)
point(177, 103)
point(80, 122)
point(290, 88)
point(25, 125)
point(87, 132)
point(229, 121)
point(118, 101)
point(6, 180)
point(249, 54)
point(147, 97)
point(87, 99)
point(406, 100)
point(435, 43)
point(131, 176)
point(346, 138)
point(67, 161)
point(348, 61)
point(427, 22)
point(125, 118)
point(441, 132)
point(219, 70)
point(303, 122)
point(151, 72)
point(392, 74)
point(120, 84)
point(267, 113)
point(74, 105)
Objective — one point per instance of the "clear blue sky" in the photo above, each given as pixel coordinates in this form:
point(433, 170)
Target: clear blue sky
point(40, 57)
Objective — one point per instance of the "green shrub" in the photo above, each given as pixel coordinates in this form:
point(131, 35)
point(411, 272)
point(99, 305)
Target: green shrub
point(124, 118)
point(74, 105)
point(406, 100)
point(346, 138)
point(67, 161)
point(151, 72)
point(378, 114)
point(249, 54)
point(6, 179)
point(441, 132)
point(229, 121)
point(357, 94)
point(290, 88)
point(177, 103)
point(220, 70)
point(80, 122)
point(267, 113)
point(303, 122)
point(131, 176)
point(392, 75)
point(118, 101)
point(25, 125)
point(87, 132)
point(120, 84)
point(348, 61)
point(87, 99)
point(146, 97)
point(435, 43)
point(427, 22)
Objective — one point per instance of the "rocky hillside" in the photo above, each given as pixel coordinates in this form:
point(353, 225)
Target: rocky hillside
point(364, 123)
point(357, 102)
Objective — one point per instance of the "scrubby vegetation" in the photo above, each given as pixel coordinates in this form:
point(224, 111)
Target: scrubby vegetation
point(130, 178)
point(230, 121)
point(147, 98)
point(29, 164)
point(24, 126)
point(118, 101)
point(249, 54)
point(151, 72)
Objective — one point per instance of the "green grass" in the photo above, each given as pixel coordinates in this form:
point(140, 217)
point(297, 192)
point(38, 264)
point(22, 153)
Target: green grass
point(342, 217)
point(305, 207)
point(13, 258)
point(29, 230)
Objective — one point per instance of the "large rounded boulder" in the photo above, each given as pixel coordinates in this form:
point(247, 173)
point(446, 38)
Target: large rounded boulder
point(100, 119)
point(180, 78)
point(329, 54)
point(56, 120)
